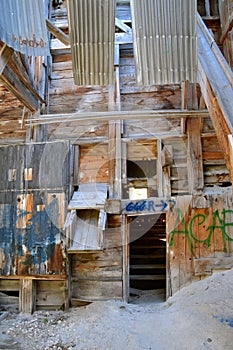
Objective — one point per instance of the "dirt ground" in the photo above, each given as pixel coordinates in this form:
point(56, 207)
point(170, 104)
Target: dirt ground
point(198, 317)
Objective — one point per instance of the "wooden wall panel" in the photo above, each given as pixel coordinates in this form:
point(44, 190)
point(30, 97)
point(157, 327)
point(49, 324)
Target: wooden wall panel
point(200, 238)
point(64, 95)
point(98, 275)
point(50, 295)
point(179, 175)
point(93, 166)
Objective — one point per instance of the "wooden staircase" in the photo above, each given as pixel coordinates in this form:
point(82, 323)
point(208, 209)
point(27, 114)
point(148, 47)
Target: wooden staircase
point(148, 258)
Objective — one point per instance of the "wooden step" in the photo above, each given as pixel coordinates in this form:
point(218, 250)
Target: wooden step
point(148, 266)
point(148, 256)
point(147, 277)
point(147, 246)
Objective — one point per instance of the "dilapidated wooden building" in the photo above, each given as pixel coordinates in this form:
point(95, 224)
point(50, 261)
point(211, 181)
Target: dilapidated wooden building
point(116, 149)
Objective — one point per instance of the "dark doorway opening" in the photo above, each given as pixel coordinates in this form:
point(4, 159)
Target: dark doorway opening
point(147, 253)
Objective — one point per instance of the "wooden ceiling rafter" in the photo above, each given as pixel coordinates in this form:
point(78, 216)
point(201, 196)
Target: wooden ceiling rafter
point(15, 78)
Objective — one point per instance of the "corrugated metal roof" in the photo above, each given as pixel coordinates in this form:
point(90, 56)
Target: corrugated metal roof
point(92, 32)
point(23, 26)
point(165, 41)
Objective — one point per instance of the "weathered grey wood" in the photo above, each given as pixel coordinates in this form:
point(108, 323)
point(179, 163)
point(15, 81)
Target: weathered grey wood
point(205, 266)
point(147, 277)
point(194, 157)
point(118, 173)
point(113, 206)
point(159, 169)
point(51, 294)
point(97, 290)
point(9, 285)
point(167, 181)
point(27, 295)
point(111, 155)
point(166, 155)
point(88, 235)
point(89, 196)
point(58, 33)
point(116, 115)
point(126, 256)
point(215, 80)
point(5, 55)
point(200, 201)
point(14, 84)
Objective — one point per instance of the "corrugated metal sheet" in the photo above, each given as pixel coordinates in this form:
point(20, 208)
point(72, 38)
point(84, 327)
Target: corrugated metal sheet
point(165, 41)
point(92, 31)
point(23, 26)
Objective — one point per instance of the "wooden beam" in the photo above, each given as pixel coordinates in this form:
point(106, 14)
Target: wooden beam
point(118, 155)
point(111, 156)
point(221, 126)
point(58, 33)
point(216, 87)
point(5, 55)
point(227, 29)
point(126, 255)
point(117, 115)
point(14, 85)
point(188, 100)
point(166, 155)
point(10, 63)
point(120, 24)
point(160, 169)
point(230, 138)
point(19, 70)
point(194, 156)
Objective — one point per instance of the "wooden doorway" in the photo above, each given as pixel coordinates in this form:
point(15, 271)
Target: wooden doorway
point(147, 253)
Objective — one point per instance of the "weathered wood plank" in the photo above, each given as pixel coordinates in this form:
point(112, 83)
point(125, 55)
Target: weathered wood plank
point(97, 290)
point(205, 266)
point(89, 195)
point(27, 296)
point(58, 33)
point(194, 156)
point(5, 55)
point(14, 84)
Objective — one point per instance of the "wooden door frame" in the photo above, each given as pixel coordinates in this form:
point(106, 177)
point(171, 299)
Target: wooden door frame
point(126, 256)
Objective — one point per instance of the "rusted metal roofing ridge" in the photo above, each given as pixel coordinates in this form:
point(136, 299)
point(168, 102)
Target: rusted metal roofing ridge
point(23, 26)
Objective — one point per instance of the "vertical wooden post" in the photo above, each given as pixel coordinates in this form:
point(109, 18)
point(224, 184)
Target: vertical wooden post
point(27, 296)
point(111, 156)
point(160, 170)
point(114, 148)
point(207, 8)
point(125, 261)
point(230, 139)
point(194, 156)
point(166, 161)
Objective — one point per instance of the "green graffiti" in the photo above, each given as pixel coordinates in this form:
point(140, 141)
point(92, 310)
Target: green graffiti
point(219, 221)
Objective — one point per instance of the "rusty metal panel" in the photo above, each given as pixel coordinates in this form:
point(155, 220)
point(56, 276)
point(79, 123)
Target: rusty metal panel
point(23, 26)
point(32, 212)
point(165, 41)
point(92, 33)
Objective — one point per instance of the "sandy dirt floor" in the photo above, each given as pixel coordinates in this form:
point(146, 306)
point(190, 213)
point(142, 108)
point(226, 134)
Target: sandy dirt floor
point(198, 317)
